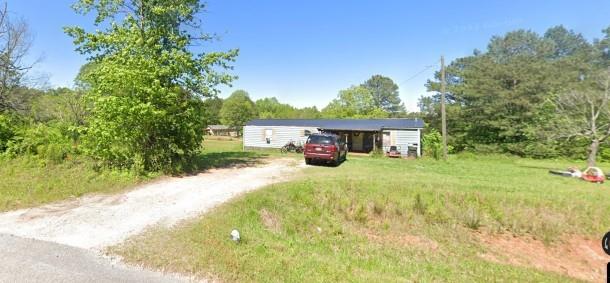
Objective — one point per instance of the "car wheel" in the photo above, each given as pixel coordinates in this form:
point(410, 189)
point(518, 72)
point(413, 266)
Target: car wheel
point(308, 161)
point(336, 160)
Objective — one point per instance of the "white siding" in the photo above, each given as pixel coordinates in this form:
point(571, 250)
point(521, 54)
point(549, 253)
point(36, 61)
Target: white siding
point(254, 136)
point(403, 139)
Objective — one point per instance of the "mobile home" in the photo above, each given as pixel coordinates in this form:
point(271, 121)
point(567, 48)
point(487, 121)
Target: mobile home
point(361, 135)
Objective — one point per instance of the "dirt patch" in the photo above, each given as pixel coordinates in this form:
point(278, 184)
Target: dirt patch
point(401, 239)
point(270, 220)
point(574, 256)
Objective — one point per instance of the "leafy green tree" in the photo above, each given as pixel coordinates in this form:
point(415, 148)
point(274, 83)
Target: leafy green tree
point(497, 97)
point(308, 113)
point(566, 42)
point(81, 81)
point(147, 84)
point(585, 112)
point(354, 102)
point(15, 42)
point(271, 108)
point(62, 105)
point(211, 109)
point(237, 110)
point(385, 94)
point(7, 131)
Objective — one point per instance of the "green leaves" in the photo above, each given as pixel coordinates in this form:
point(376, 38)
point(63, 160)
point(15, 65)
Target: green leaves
point(354, 102)
point(375, 98)
point(238, 109)
point(385, 94)
point(498, 97)
point(145, 84)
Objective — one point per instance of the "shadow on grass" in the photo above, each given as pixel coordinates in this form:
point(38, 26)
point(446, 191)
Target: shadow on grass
point(229, 159)
point(542, 167)
point(324, 163)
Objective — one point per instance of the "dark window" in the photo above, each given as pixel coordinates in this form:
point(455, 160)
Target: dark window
point(320, 140)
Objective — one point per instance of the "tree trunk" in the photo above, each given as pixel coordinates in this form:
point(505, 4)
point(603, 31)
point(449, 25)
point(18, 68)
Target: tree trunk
point(593, 149)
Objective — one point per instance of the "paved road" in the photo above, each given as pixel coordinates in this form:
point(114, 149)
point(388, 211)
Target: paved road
point(28, 260)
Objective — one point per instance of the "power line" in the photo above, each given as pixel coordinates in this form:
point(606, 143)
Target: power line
point(420, 72)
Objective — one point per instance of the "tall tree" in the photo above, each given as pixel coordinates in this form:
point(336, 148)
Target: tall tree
point(498, 94)
point(271, 108)
point(585, 112)
point(354, 102)
point(385, 94)
point(147, 84)
point(566, 42)
point(308, 113)
point(211, 110)
point(15, 44)
point(237, 110)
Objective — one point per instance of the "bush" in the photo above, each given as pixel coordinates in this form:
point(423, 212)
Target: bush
point(533, 149)
point(126, 132)
point(433, 144)
point(50, 142)
point(7, 132)
point(604, 154)
point(377, 153)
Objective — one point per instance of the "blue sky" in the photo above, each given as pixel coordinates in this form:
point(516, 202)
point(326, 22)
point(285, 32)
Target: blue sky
point(304, 52)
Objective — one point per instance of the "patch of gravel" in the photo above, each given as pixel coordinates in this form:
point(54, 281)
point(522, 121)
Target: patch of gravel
point(95, 222)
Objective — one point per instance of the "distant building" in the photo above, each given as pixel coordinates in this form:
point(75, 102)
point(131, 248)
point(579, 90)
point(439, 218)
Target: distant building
point(220, 130)
point(361, 135)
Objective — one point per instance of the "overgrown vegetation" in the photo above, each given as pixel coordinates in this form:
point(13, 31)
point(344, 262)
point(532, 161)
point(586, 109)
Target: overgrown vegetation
point(31, 179)
point(28, 181)
point(147, 79)
point(432, 143)
point(525, 94)
point(383, 224)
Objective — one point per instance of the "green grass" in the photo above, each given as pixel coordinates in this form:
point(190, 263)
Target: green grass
point(345, 223)
point(27, 181)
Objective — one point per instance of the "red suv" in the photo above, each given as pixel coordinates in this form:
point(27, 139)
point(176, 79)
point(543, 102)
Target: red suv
point(327, 147)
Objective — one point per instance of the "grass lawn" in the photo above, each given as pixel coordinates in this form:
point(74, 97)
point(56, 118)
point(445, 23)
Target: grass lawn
point(387, 220)
point(27, 181)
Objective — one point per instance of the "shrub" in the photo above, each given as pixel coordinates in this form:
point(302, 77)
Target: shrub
point(47, 141)
point(376, 153)
point(419, 206)
point(433, 144)
point(472, 218)
point(7, 132)
point(533, 149)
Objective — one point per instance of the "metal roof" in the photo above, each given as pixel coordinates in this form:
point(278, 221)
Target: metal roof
point(342, 124)
point(218, 127)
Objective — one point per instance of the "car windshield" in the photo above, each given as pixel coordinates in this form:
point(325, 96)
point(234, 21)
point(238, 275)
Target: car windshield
point(320, 140)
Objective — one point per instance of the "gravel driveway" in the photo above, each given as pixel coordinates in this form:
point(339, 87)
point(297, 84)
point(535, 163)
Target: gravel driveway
point(95, 222)
point(53, 242)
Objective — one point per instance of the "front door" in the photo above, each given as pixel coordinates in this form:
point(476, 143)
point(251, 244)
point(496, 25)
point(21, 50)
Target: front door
point(357, 141)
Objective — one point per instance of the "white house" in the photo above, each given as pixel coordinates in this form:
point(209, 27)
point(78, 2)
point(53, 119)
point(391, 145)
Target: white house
point(361, 135)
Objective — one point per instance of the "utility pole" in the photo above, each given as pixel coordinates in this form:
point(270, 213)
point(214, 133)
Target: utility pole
point(443, 114)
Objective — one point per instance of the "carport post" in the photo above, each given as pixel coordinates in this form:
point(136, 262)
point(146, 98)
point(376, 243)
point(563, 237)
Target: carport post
point(374, 148)
point(419, 143)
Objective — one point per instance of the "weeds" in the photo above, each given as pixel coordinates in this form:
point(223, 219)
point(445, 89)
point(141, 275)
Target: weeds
point(419, 206)
point(388, 198)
